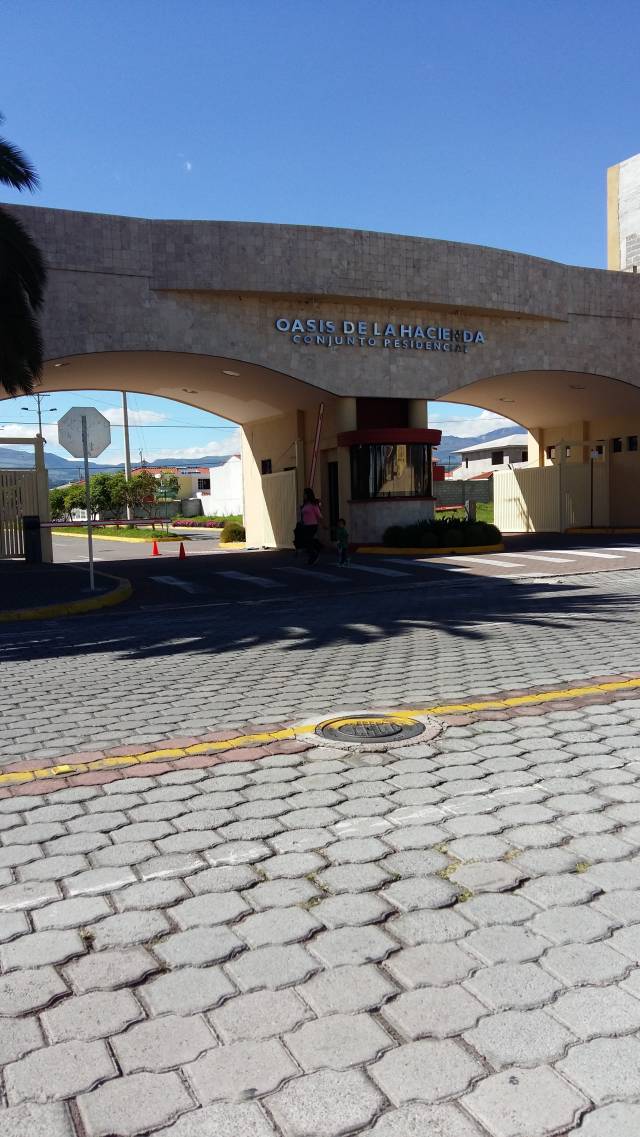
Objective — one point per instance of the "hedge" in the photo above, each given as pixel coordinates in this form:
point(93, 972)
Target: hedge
point(443, 532)
point(232, 532)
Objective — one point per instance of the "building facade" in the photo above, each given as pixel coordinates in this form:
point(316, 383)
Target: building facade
point(324, 346)
point(487, 457)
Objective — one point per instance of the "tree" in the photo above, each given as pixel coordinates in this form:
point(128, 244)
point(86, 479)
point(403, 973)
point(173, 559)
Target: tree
point(22, 282)
point(102, 497)
point(75, 497)
point(57, 504)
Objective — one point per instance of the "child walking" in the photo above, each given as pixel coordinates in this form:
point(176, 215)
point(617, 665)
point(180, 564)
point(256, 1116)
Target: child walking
point(342, 542)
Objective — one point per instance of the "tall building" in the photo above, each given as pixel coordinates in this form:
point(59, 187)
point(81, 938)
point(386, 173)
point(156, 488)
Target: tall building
point(623, 215)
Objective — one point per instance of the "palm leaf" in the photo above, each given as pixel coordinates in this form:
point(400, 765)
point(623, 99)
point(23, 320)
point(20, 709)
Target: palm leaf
point(15, 168)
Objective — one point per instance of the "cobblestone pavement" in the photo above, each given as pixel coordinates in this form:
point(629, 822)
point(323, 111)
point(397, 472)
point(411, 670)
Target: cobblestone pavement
point(133, 679)
point(442, 940)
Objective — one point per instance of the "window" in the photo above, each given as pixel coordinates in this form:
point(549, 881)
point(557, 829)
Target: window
point(617, 445)
point(551, 453)
point(497, 457)
point(524, 455)
point(466, 463)
point(632, 442)
point(204, 483)
point(266, 465)
point(390, 470)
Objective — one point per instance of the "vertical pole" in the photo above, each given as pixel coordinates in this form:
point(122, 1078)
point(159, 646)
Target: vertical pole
point(85, 454)
point(38, 398)
point(127, 452)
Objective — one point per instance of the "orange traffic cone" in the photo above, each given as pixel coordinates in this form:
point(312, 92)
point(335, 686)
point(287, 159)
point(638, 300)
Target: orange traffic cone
point(182, 556)
point(155, 552)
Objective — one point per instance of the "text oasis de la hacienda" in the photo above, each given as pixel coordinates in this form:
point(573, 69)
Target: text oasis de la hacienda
point(362, 333)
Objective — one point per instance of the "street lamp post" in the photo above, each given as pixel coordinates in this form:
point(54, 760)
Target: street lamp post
point(39, 399)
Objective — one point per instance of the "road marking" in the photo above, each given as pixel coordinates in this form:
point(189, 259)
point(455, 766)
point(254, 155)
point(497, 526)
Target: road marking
point(487, 561)
point(176, 582)
point(424, 562)
point(540, 557)
point(378, 571)
point(600, 556)
point(247, 577)
point(313, 572)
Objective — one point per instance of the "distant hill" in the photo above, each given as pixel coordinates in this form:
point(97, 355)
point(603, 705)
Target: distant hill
point(451, 443)
point(62, 470)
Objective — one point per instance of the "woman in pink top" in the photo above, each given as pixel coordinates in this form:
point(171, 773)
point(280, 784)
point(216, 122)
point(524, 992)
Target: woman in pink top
point(311, 516)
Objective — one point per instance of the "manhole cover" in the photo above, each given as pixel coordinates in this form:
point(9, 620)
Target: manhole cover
point(370, 728)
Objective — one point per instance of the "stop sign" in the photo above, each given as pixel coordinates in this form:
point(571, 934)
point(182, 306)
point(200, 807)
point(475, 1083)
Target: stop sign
point(70, 431)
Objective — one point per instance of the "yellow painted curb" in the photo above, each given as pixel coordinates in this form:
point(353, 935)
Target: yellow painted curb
point(121, 592)
point(234, 544)
point(610, 532)
point(105, 537)
point(17, 777)
point(384, 551)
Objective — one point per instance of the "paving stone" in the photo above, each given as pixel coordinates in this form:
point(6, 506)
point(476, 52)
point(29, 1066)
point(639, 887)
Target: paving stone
point(23, 991)
point(240, 1070)
point(170, 865)
point(151, 894)
point(18, 1037)
point(13, 924)
point(415, 862)
point(282, 893)
point(107, 970)
point(424, 1121)
point(95, 881)
point(352, 946)
point(505, 943)
point(543, 862)
point(208, 909)
point(325, 1104)
point(436, 1012)
point(623, 906)
point(492, 876)
point(353, 878)
point(59, 1071)
point(301, 840)
point(272, 967)
point(431, 965)
point(471, 825)
point(41, 948)
point(347, 990)
point(93, 1016)
point(565, 888)
point(199, 819)
point(359, 908)
point(534, 836)
point(280, 926)
point(497, 909)
point(32, 894)
point(415, 837)
point(621, 1119)
point(198, 946)
point(605, 1068)
point(425, 1071)
point(581, 824)
point(506, 1103)
point(614, 875)
point(226, 1120)
point(163, 1043)
point(578, 924)
point(520, 1038)
point(70, 913)
point(120, 856)
point(425, 927)
point(133, 1105)
point(30, 1120)
point(591, 1012)
point(261, 1014)
point(355, 850)
point(586, 963)
point(237, 853)
point(228, 878)
point(420, 892)
point(35, 832)
point(186, 991)
point(53, 868)
point(509, 986)
point(483, 847)
point(79, 843)
point(291, 865)
point(189, 842)
point(97, 822)
point(337, 1042)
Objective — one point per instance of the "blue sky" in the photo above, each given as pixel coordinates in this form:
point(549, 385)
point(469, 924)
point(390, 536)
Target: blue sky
point(488, 121)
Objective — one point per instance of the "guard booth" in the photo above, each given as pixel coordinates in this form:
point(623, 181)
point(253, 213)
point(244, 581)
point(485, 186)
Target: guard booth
point(24, 493)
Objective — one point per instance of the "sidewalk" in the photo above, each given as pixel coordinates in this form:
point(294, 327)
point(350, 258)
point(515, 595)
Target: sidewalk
point(48, 588)
point(303, 941)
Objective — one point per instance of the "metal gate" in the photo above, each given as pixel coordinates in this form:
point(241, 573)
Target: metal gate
point(24, 493)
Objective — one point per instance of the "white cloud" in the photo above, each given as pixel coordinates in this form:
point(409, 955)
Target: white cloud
point(20, 430)
point(230, 444)
point(472, 425)
point(136, 418)
point(187, 167)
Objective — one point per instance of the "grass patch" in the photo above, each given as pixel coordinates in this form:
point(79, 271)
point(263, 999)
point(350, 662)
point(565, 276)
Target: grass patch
point(127, 531)
point(484, 512)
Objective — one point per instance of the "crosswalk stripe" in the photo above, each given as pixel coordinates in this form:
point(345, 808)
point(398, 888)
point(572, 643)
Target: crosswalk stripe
point(313, 572)
point(600, 556)
point(260, 581)
point(494, 561)
point(176, 582)
point(377, 570)
point(540, 557)
point(424, 562)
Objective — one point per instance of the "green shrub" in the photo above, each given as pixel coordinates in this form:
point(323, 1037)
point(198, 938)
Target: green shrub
point(441, 533)
point(233, 532)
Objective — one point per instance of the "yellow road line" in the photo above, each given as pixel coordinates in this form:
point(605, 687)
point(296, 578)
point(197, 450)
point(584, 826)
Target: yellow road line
point(114, 761)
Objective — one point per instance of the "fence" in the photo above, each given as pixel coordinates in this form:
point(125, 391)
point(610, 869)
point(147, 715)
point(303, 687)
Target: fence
point(551, 499)
point(23, 493)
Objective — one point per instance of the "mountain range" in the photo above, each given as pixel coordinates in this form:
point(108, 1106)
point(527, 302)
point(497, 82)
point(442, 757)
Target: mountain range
point(62, 470)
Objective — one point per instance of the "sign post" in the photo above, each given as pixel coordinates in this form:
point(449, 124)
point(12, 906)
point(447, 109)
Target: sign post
point(85, 433)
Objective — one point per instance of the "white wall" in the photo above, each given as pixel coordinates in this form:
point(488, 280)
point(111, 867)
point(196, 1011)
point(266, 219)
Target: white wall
point(226, 489)
point(629, 212)
point(480, 462)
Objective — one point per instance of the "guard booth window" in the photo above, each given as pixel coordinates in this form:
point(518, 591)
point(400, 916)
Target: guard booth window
point(390, 470)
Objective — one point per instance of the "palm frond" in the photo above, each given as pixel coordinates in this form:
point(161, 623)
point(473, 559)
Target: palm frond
point(15, 168)
point(21, 259)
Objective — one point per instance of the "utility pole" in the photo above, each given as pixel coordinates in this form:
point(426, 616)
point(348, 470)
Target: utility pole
point(127, 452)
point(39, 399)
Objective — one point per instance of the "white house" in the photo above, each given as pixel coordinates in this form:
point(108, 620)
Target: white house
point(487, 457)
point(225, 493)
